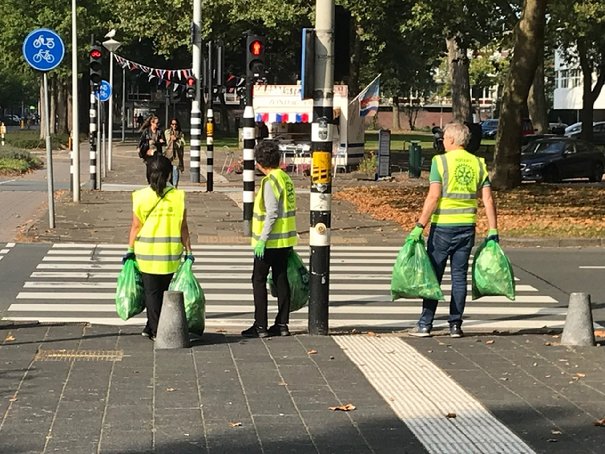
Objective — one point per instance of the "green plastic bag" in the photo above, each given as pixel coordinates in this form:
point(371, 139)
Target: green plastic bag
point(130, 296)
point(195, 302)
point(413, 273)
point(298, 280)
point(492, 273)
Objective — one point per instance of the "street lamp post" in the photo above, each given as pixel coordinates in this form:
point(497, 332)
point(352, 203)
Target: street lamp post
point(111, 45)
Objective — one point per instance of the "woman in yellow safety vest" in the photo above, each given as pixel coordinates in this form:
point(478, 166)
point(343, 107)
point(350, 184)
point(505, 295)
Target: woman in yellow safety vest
point(273, 236)
point(158, 234)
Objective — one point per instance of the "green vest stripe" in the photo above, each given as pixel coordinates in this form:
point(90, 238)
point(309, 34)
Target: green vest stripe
point(159, 258)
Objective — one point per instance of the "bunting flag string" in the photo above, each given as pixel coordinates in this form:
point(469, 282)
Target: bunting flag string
point(163, 75)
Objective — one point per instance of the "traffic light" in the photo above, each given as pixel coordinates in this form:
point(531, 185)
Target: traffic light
point(190, 91)
point(255, 56)
point(95, 66)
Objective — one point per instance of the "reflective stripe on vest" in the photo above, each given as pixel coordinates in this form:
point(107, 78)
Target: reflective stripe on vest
point(283, 234)
point(158, 246)
point(462, 176)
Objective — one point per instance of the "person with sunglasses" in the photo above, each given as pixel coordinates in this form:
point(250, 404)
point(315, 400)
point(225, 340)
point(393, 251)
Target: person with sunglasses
point(152, 140)
point(175, 149)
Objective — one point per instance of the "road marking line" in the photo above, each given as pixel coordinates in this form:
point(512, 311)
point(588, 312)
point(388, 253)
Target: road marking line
point(422, 395)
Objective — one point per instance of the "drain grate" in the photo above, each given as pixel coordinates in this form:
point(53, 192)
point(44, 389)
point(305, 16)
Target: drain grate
point(79, 355)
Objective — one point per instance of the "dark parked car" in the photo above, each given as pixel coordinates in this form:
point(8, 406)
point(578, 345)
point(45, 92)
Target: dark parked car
point(598, 132)
point(561, 158)
point(489, 127)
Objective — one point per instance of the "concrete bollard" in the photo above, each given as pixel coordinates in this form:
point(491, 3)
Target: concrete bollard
point(578, 329)
point(172, 326)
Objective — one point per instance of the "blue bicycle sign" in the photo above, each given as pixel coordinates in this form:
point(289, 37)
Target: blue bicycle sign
point(104, 91)
point(43, 49)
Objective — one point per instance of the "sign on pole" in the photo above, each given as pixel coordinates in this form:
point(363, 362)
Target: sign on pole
point(104, 92)
point(43, 50)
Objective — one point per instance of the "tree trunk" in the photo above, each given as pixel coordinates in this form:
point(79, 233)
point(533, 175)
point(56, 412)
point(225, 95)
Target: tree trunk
point(61, 89)
point(355, 61)
point(589, 93)
point(52, 87)
point(461, 92)
point(529, 44)
point(536, 102)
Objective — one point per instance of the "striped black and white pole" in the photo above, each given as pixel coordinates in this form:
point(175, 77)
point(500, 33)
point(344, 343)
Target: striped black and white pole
point(320, 203)
point(249, 136)
point(92, 139)
point(196, 135)
point(196, 114)
point(209, 150)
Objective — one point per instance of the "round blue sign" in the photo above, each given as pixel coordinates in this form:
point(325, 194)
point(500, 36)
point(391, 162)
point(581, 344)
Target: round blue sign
point(104, 91)
point(43, 49)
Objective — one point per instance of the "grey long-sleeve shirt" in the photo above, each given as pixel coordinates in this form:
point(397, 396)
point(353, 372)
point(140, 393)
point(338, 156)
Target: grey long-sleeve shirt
point(271, 208)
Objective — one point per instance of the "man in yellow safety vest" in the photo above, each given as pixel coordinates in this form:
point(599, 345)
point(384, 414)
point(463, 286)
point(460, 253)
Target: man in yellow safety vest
point(457, 179)
point(273, 237)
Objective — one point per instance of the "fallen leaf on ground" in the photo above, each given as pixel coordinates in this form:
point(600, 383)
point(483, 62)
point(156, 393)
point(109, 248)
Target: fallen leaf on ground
point(580, 375)
point(451, 415)
point(548, 344)
point(12, 399)
point(235, 424)
point(170, 389)
point(371, 333)
point(312, 352)
point(600, 422)
point(556, 432)
point(345, 407)
point(282, 383)
point(490, 342)
point(9, 338)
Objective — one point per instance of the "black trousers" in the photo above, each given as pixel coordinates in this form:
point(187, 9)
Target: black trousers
point(155, 285)
point(277, 261)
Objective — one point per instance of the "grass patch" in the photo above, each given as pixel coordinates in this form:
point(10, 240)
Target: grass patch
point(16, 162)
point(29, 139)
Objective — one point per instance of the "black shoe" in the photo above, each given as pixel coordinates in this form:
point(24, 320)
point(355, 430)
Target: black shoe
point(148, 335)
point(456, 331)
point(279, 330)
point(255, 331)
point(421, 331)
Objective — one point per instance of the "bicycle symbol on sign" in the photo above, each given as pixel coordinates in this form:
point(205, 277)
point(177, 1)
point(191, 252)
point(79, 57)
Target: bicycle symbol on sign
point(42, 41)
point(43, 55)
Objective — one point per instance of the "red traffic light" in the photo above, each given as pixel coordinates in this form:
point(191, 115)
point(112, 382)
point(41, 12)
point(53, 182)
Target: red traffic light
point(256, 47)
point(95, 53)
point(191, 81)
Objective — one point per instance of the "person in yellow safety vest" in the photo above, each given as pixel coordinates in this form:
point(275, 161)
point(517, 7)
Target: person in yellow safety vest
point(457, 179)
point(158, 234)
point(273, 237)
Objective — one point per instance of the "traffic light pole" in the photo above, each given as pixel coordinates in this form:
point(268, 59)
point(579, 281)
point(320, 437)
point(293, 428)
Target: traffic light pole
point(196, 115)
point(209, 127)
point(92, 137)
point(321, 175)
point(249, 137)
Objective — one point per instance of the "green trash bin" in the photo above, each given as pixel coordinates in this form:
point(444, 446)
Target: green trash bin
point(415, 159)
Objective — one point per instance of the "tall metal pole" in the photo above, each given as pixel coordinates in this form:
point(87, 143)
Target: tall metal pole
point(196, 117)
point(49, 157)
point(321, 177)
point(123, 111)
point(109, 119)
point(209, 125)
point(75, 117)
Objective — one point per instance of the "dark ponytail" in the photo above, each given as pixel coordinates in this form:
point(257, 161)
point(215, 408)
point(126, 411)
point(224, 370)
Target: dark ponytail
point(159, 169)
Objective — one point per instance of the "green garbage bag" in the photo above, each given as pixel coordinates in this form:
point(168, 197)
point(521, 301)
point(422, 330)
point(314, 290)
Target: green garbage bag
point(298, 280)
point(413, 274)
point(195, 302)
point(130, 296)
point(492, 273)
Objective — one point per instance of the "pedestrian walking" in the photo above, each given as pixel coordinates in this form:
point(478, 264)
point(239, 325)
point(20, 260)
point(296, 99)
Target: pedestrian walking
point(457, 179)
point(152, 138)
point(175, 149)
point(158, 235)
point(273, 237)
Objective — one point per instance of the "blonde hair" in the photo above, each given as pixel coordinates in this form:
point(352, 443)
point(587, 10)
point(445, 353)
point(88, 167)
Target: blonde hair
point(458, 132)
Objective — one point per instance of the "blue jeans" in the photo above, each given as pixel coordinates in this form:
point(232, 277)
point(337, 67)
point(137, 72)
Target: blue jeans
point(456, 244)
point(175, 176)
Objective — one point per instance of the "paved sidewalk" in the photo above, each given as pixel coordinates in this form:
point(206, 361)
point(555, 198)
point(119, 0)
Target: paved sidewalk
point(95, 389)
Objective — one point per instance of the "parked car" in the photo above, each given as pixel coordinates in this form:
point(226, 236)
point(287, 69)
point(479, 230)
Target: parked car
point(573, 128)
point(561, 158)
point(598, 132)
point(489, 127)
point(557, 128)
point(9, 121)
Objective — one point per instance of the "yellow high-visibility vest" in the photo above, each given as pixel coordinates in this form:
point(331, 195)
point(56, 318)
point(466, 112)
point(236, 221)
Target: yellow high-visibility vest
point(283, 233)
point(462, 175)
point(158, 246)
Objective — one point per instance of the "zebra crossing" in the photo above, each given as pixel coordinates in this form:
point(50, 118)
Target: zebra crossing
point(76, 283)
point(6, 249)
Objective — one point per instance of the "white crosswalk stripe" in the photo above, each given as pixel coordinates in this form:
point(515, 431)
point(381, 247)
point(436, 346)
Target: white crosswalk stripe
point(76, 283)
point(5, 249)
